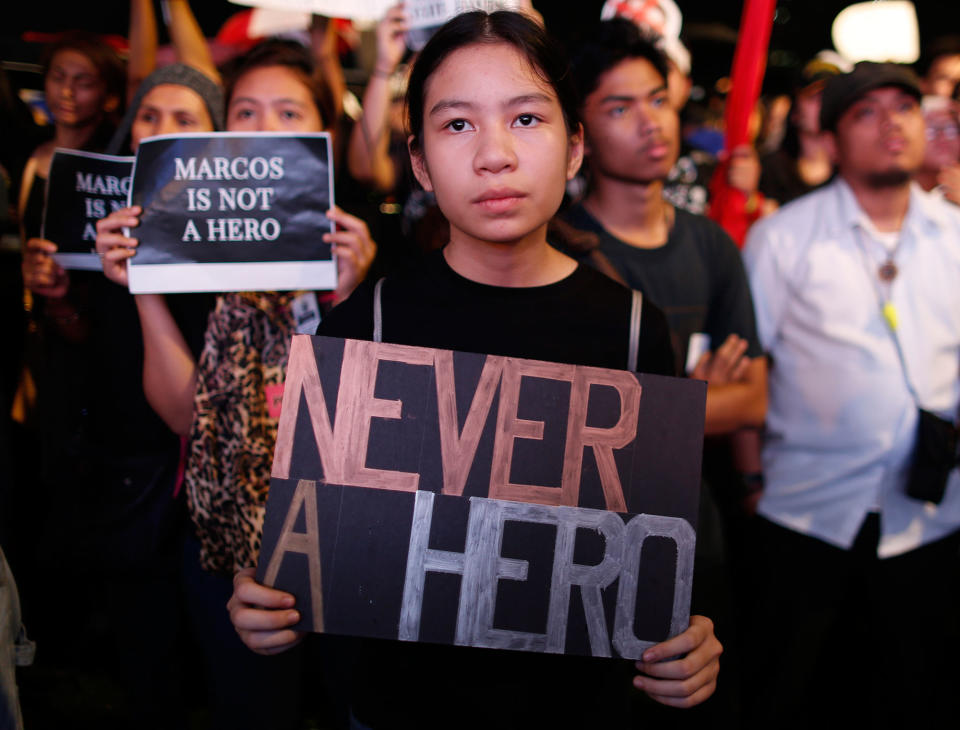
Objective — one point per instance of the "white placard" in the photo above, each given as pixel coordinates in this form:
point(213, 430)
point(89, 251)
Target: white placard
point(354, 9)
point(429, 13)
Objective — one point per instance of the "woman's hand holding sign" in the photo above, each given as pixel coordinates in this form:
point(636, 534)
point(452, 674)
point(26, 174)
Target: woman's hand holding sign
point(113, 246)
point(354, 250)
point(41, 273)
point(262, 615)
point(684, 681)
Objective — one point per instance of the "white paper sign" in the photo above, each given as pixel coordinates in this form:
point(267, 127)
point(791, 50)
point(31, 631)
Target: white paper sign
point(231, 211)
point(370, 10)
point(662, 16)
point(429, 13)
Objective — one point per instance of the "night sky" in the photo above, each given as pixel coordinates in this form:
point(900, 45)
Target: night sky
point(801, 29)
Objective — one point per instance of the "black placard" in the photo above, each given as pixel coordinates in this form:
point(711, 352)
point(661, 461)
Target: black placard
point(82, 188)
point(560, 499)
point(233, 212)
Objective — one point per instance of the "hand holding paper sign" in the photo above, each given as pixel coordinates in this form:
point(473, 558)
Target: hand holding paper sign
point(113, 246)
point(353, 248)
point(233, 211)
point(41, 273)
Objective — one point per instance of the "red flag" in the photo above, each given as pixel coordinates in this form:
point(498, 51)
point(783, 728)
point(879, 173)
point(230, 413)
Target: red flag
point(729, 206)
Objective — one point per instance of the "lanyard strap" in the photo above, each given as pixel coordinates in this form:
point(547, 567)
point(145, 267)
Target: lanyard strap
point(887, 309)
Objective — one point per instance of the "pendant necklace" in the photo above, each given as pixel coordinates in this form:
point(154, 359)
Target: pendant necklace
point(886, 272)
point(888, 269)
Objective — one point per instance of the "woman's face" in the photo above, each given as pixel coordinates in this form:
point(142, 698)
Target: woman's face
point(75, 93)
point(272, 99)
point(170, 109)
point(496, 151)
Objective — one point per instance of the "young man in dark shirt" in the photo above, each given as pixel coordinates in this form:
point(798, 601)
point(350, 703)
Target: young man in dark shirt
point(683, 262)
point(686, 264)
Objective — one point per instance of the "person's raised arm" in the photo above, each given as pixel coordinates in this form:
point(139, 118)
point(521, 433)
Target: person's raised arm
point(142, 37)
point(323, 45)
point(368, 153)
point(188, 40)
point(169, 368)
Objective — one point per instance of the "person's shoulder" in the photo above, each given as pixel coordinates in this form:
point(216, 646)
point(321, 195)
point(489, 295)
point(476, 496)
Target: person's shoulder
point(593, 280)
point(577, 217)
point(705, 233)
point(700, 226)
point(352, 317)
point(399, 289)
point(942, 219)
point(805, 212)
point(936, 207)
point(813, 216)
point(591, 295)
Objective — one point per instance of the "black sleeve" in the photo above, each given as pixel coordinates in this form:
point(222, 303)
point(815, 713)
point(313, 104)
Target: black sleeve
point(655, 352)
point(731, 306)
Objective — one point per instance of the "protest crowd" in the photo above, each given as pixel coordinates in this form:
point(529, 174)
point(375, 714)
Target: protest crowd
point(472, 183)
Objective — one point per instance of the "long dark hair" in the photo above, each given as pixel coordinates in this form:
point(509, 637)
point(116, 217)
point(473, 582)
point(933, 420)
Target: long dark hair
point(289, 54)
point(532, 41)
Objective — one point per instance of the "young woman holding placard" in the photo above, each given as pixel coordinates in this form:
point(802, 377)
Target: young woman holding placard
point(218, 395)
point(495, 135)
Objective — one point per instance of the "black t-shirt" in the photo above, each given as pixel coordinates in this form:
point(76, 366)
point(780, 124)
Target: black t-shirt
point(582, 319)
point(696, 277)
point(116, 346)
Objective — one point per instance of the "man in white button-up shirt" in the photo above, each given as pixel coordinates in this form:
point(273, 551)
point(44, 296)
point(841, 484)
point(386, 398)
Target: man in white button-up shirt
point(857, 294)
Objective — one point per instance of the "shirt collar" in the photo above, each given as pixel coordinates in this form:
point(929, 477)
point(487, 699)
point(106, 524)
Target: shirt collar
point(923, 211)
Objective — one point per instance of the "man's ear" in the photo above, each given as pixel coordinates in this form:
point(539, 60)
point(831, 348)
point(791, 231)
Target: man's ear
point(111, 104)
point(575, 152)
point(419, 164)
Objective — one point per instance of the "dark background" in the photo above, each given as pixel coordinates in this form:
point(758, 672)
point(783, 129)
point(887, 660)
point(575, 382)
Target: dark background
point(801, 29)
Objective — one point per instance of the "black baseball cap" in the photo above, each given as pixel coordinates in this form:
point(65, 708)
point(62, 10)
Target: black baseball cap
point(842, 90)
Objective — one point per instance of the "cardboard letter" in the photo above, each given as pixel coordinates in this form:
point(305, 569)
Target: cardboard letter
point(509, 427)
point(358, 380)
point(637, 531)
point(302, 377)
point(306, 543)
point(458, 449)
point(603, 440)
